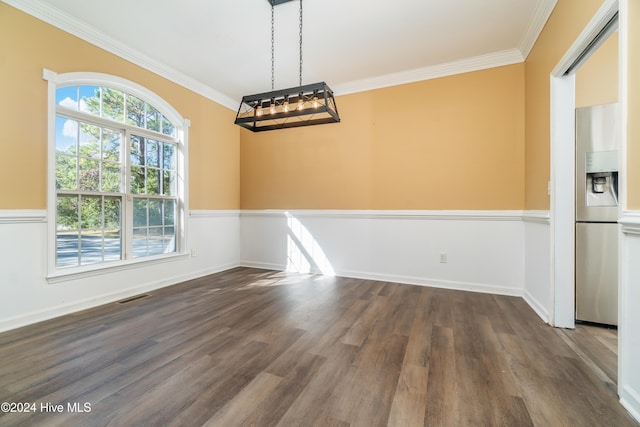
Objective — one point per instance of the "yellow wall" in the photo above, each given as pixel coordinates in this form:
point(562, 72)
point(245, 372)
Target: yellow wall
point(597, 79)
point(566, 22)
point(28, 45)
point(437, 144)
point(450, 143)
point(633, 105)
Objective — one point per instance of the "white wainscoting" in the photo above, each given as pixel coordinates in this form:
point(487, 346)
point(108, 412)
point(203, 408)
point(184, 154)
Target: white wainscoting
point(629, 298)
point(484, 249)
point(487, 251)
point(27, 297)
point(537, 259)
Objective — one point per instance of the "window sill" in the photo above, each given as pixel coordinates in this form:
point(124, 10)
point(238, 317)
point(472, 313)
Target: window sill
point(59, 276)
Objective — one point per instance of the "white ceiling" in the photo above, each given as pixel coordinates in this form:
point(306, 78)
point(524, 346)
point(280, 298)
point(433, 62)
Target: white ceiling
point(222, 49)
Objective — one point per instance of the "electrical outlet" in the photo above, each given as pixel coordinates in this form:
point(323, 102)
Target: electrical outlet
point(193, 251)
point(443, 257)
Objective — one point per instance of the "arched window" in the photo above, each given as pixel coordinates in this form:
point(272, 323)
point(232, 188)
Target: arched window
point(116, 173)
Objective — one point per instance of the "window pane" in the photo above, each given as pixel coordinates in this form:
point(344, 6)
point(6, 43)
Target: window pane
point(156, 245)
point(89, 141)
point(112, 245)
point(111, 145)
point(112, 213)
point(111, 177)
point(169, 180)
point(90, 99)
point(113, 104)
point(67, 249)
point(67, 213)
point(155, 212)
point(67, 97)
point(90, 247)
point(140, 212)
point(137, 180)
point(89, 175)
point(169, 156)
point(91, 212)
point(169, 212)
point(66, 172)
point(168, 128)
point(154, 118)
point(169, 239)
point(137, 150)
point(135, 111)
point(112, 228)
point(153, 181)
point(139, 242)
point(66, 135)
point(153, 156)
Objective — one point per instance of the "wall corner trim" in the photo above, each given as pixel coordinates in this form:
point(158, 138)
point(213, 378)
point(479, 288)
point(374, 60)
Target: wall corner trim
point(20, 216)
point(630, 222)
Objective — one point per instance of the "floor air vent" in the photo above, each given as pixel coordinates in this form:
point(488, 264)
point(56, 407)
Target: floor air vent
point(137, 297)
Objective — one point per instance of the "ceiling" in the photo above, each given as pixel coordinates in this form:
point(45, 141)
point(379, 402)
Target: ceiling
point(222, 49)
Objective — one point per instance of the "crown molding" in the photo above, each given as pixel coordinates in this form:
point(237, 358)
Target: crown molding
point(71, 25)
point(476, 63)
point(66, 22)
point(537, 23)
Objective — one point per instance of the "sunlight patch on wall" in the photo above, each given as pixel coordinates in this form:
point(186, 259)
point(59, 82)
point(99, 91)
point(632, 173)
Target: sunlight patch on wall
point(304, 254)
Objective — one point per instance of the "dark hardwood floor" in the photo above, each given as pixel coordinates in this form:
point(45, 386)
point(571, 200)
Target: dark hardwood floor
point(598, 348)
point(255, 347)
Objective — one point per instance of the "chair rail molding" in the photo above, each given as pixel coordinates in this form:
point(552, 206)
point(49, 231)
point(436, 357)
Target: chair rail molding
point(18, 216)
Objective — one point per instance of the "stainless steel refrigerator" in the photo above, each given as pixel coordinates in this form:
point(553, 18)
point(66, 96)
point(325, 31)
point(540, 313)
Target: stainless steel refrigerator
point(597, 147)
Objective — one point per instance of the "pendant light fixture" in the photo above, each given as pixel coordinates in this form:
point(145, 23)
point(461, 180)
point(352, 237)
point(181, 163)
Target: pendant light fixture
point(304, 105)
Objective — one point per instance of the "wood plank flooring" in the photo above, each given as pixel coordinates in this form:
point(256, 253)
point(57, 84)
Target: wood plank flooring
point(263, 348)
point(598, 347)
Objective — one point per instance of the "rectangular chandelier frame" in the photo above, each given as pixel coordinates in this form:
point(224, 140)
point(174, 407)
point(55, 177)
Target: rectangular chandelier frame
point(306, 105)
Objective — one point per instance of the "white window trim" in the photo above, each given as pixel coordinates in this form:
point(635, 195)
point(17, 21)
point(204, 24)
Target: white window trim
point(182, 124)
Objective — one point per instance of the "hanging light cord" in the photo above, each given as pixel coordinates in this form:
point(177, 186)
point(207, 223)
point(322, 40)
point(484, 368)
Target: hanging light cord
point(273, 60)
point(300, 42)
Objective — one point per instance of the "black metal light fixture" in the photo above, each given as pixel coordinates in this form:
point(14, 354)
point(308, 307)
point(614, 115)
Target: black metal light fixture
point(307, 105)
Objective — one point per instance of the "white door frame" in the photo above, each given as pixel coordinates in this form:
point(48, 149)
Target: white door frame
point(562, 168)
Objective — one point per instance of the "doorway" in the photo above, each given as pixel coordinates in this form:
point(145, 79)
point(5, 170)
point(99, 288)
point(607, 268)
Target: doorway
point(563, 165)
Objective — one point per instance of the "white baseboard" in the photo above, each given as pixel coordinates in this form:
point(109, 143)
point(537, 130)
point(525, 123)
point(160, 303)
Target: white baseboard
point(434, 283)
point(407, 280)
point(265, 266)
point(630, 400)
point(63, 309)
point(540, 310)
